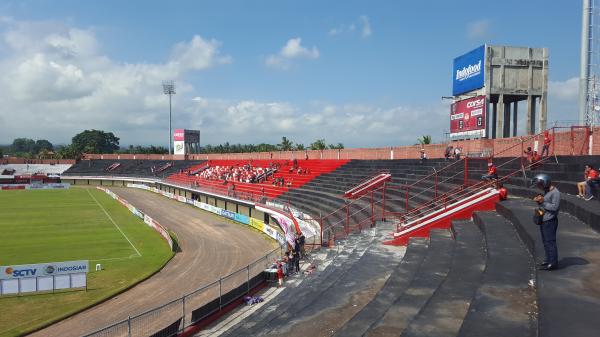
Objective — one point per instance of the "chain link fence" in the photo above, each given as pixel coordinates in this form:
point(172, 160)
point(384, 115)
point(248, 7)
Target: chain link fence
point(171, 318)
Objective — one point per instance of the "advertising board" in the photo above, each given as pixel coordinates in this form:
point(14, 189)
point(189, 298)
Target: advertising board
point(468, 71)
point(178, 135)
point(468, 118)
point(43, 269)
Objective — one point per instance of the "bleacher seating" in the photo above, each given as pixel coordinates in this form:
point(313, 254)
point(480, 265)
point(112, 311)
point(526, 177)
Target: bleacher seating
point(479, 278)
point(128, 168)
point(292, 179)
point(29, 169)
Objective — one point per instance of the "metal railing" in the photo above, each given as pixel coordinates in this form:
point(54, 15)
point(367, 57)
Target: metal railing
point(174, 316)
point(436, 190)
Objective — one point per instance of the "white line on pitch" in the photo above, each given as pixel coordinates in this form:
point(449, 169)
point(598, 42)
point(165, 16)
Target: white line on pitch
point(113, 221)
point(132, 256)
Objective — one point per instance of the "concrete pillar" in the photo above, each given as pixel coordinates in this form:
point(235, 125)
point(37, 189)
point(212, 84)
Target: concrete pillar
point(533, 113)
point(530, 115)
point(494, 115)
point(500, 118)
point(506, 127)
point(515, 118)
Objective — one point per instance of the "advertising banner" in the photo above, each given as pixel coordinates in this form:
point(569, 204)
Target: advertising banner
point(179, 147)
point(179, 135)
point(468, 118)
point(468, 71)
point(241, 218)
point(257, 224)
point(228, 214)
point(43, 269)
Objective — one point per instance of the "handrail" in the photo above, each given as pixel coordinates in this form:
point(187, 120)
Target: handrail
point(457, 192)
point(365, 180)
point(465, 188)
point(380, 177)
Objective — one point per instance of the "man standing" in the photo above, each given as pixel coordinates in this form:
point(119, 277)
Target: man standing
point(547, 142)
point(549, 204)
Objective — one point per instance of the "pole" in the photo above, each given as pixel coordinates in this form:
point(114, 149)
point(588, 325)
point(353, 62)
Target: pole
point(383, 206)
point(584, 70)
point(170, 131)
point(183, 314)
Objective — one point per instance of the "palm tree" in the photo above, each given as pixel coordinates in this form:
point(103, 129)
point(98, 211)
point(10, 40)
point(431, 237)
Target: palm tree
point(286, 144)
point(426, 139)
point(319, 144)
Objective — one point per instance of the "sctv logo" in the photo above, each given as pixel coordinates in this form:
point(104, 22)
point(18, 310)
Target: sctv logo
point(20, 272)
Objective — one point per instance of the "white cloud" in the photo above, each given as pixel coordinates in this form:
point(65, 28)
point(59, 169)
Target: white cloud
point(567, 90)
point(366, 26)
point(57, 83)
point(293, 49)
point(479, 29)
point(363, 22)
point(355, 125)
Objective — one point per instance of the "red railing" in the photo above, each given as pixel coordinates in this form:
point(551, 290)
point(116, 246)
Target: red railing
point(450, 183)
point(367, 184)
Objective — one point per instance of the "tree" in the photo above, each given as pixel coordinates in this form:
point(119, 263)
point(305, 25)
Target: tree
point(95, 141)
point(66, 152)
point(300, 147)
point(43, 144)
point(286, 144)
point(337, 146)
point(22, 145)
point(1, 153)
point(426, 139)
point(319, 144)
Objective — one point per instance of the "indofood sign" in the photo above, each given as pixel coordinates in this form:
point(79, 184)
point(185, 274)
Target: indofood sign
point(468, 71)
point(24, 278)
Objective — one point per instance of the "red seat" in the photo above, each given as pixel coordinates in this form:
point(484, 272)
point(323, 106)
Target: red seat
point(315, 168)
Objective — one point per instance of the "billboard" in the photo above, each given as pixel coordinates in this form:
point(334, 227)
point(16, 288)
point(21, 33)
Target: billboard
point(178, 134)
point(468, 117)
point(43, 269)
point(468, 71)
point(31, 278)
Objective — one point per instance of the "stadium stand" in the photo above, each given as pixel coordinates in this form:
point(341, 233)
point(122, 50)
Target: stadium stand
point(128, 168)
point(478, 278)
point(23, 169)
point(285, 172)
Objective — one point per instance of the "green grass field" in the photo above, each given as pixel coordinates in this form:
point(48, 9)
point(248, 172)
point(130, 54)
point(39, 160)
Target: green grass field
point(61, 225)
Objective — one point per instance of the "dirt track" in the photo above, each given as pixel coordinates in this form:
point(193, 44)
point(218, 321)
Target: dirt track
point(211, 247)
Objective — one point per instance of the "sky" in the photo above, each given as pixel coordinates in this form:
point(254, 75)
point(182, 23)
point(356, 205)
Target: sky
point(363, 73)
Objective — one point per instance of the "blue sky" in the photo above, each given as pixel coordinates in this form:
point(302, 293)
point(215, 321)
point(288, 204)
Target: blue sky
point(364, 73)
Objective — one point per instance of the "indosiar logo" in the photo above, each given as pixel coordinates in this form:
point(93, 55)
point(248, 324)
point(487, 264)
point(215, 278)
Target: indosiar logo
point(49, 270)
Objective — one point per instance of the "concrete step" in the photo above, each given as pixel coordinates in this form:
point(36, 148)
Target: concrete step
point(569, 297)
point(353, 249)
point(504, 304)
point(430, 276)
point(339, 302)
point(444, 312)
point(394, 287)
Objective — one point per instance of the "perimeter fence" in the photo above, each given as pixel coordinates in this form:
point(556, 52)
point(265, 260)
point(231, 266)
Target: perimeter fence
point(173, 317)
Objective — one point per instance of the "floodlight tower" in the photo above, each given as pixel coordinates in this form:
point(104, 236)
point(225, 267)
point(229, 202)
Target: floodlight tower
point(169, 89)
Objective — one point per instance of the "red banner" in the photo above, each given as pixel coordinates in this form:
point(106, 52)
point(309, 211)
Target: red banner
point(178, 134)
point(467, 118)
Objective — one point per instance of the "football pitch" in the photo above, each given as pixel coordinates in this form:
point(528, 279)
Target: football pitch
point(39, 226)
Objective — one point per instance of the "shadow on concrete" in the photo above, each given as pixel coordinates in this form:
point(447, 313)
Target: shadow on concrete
point(566, 262)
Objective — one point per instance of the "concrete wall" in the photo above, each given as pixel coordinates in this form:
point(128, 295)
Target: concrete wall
point(563, 147)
